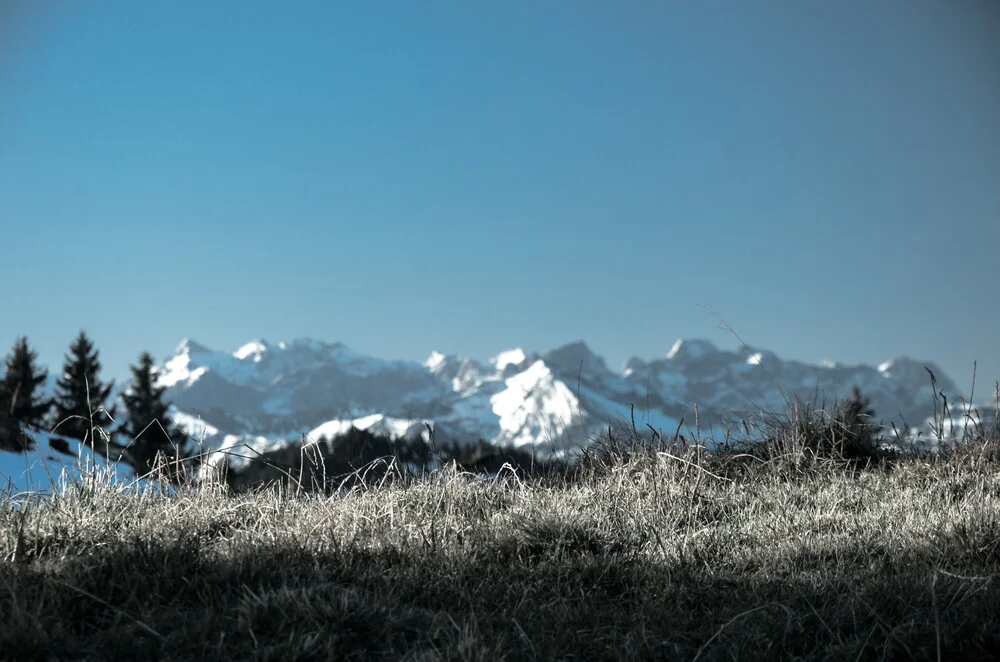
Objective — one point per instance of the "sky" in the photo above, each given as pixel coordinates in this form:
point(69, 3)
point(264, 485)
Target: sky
point(402, 177)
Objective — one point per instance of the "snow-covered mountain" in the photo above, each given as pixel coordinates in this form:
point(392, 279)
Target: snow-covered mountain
point(265, 393)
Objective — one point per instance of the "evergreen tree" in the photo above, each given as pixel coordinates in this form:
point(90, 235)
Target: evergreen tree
point(12, 437)
point(20, 383)
point(148, 428)
point(80, 394)
point(855, 423)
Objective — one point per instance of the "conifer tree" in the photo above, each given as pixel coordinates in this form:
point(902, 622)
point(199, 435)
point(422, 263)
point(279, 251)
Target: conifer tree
point(855, 423)
point(80, 393)
point(148, 429)
point(20, 383)
point(12, 437)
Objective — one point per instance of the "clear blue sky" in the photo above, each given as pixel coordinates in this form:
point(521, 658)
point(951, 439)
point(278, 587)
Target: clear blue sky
point(469, 176)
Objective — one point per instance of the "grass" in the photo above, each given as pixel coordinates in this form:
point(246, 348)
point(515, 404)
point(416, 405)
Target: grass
point(651, 549)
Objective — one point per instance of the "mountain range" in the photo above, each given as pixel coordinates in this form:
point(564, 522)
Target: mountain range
point(267, 394)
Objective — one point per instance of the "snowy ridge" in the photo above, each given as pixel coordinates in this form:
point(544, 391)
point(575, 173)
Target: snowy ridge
point(535, 407)
point(252, 350)
point(512, 357)
point(266, 394)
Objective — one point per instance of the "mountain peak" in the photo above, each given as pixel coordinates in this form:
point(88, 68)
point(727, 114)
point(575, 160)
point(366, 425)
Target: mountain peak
point(514, 357)
point(519, 396)
point(757, 356)
point(570, 358)
point(691, 349)
point(577, 348)
point(914, 371)
point(632, 365)
point(189, 346)
point(315, 345)
point(253, 349)
point(435, 361)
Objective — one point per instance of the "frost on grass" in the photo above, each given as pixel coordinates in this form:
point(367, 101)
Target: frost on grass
point(654, 554)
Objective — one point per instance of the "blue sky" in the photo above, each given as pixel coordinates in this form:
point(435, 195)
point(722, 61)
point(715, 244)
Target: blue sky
point(407, 177)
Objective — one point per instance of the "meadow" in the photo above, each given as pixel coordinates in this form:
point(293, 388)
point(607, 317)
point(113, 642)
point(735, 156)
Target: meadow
point(818, 543)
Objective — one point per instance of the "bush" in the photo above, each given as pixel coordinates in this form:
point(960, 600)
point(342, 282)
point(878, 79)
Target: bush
point(810, 433)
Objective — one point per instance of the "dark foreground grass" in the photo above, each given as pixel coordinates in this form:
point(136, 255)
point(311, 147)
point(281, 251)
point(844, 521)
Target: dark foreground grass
point(674, 556)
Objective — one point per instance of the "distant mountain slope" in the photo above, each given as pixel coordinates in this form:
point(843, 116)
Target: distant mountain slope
point(271, 392)
point(43, 469)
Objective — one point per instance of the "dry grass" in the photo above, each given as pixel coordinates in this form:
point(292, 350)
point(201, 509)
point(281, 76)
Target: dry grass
point(674, 554)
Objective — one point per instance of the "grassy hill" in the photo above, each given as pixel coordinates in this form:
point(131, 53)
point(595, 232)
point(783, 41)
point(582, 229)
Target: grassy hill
point(802, 547)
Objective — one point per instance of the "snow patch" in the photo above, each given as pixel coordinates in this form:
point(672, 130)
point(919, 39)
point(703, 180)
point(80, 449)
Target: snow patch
point(188, 346)
point(435, 361)
point(690, 349)
point(513, 357)
point(676, 348)
point(238, 451)
point(42, 470)
point(754, 359)
point(535, 407)
point(330, 429)
point(192, 426)
point(375, 423)
point(178, 369)
point(254, 349)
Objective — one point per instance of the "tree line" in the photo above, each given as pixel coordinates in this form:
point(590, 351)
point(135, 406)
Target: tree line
point(81, 408)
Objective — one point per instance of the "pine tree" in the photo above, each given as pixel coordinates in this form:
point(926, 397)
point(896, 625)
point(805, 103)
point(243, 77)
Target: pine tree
point(20, 383)
point(855, 423)
point(148, 428)
point(80, 394)
point(12, 437)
